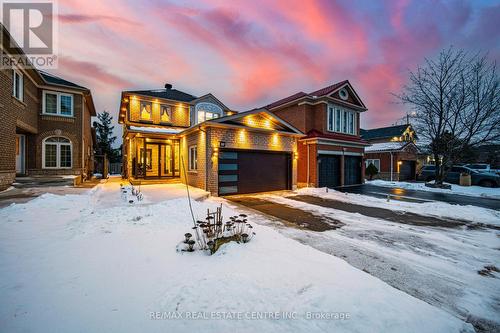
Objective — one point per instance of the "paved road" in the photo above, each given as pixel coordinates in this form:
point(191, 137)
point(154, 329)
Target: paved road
point(421, 196)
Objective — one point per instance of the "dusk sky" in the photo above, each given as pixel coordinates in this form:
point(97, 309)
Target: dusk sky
point(250, 53)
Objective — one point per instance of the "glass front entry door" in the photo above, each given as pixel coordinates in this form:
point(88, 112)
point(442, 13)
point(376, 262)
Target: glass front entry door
point(161, 159)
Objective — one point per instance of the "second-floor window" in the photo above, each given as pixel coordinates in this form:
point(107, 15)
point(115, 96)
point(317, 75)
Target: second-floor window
point(146, 113)
point(56, 103)
point(206, 111)
point(165, 114)
point(17, 85)
point(341, 120)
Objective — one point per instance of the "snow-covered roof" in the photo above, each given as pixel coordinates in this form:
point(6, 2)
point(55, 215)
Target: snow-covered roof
point(158, 130)
point(386, 146)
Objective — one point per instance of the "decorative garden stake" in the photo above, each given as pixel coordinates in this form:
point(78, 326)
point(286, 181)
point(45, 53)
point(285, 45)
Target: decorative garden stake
point(214, 232)
point(244, 238)
point(191, 245)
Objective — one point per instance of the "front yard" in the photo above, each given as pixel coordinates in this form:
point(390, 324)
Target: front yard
point(95, 262)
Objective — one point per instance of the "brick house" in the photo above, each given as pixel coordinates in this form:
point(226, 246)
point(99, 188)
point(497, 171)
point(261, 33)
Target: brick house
point(393, 151)
point(170, 134)
point(331, 153)
point(45, 126)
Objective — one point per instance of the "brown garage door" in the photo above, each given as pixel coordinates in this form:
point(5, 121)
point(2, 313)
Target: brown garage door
point(253, 171)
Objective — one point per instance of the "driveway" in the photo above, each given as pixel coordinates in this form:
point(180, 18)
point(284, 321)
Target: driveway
point(446, 263)
point(421, 196)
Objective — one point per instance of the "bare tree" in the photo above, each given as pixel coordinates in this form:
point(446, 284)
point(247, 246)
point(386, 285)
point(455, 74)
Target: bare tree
point(455, 102)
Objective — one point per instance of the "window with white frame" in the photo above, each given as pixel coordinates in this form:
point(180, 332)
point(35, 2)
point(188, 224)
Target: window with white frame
point(375, 162)
point(56, 103)
point(17, 85)
point(57, 153)
point(341, 120)
point(146, 110)
point(206, 111)
point(193, 158)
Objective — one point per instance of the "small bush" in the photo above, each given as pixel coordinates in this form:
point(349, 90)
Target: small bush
point(371, 170)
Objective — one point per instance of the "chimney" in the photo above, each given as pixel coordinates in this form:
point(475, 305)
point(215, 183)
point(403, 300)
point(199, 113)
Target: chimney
point(168, 86)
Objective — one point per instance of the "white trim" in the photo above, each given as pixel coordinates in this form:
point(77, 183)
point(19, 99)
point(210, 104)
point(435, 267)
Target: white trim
point(58, 152)
point(336, 152)
point(190, 161)
point(370, 160)
point(58, 103)
point(21, 81)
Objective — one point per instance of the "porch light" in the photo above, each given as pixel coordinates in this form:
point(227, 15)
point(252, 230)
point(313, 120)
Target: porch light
point(215, 152)
point(295, 155)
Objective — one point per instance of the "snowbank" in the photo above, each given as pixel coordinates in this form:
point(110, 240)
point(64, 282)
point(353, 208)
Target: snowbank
point(95, 262)
point(473, 191)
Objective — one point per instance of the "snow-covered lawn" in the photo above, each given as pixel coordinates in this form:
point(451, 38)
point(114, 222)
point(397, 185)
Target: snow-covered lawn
point(95, 263)
point(473, 191)
point(439, 209)
point(439, 265)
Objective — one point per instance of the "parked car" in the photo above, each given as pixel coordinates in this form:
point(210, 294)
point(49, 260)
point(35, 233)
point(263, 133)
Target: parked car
point(427, 173)
point(480, 167)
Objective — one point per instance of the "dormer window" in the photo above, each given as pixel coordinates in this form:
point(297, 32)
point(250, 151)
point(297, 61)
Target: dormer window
point(165, 114)
point(146, 113)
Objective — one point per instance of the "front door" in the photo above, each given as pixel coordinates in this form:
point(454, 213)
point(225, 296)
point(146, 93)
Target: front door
point(20, 154)
point(161, 160)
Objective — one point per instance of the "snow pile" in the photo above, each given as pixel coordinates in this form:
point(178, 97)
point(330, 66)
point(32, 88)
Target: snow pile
point(474, 191)
point(435, 208)
point(96, 263)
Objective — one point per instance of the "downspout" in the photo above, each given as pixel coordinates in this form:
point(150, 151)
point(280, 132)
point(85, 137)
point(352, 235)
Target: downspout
point(307, 165)
point(83, 136)
point(391, 166)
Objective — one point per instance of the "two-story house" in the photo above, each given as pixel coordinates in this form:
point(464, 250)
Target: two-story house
point(331, 153)
point(45, 122)
point(393, 151)
point(172, 135)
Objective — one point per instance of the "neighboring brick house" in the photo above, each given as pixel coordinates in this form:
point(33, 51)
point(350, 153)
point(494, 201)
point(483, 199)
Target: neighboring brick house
point(331, 153)
point(393, 151)
point(45, 123)
point(170, 134)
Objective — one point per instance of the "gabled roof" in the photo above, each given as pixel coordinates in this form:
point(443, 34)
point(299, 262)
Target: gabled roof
point(211, 96)
point(172, 94)
point(52, 79)
point(240, 119)
point(328, 90)
point(287, 99)
point(324, 93)
point(384, 132)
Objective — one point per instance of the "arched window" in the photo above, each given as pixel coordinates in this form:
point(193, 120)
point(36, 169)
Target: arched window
point(57, 152)
point(207, 111)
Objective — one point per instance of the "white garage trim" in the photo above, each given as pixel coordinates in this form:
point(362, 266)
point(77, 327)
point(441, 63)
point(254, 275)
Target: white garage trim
point(335, 152)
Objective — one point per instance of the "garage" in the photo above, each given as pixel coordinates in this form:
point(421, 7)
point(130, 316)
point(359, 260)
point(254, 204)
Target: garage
point(352, 170)
point(243, 171)
point(407, 170)
point(329, 171)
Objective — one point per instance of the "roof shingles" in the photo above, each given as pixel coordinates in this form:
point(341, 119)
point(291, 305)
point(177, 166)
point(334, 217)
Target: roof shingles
point(172, 94)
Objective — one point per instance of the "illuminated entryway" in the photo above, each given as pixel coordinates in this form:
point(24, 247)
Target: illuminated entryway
point(155, 158)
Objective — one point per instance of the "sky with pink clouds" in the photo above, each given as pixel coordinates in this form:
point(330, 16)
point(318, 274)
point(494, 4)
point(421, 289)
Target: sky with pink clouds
point(250, 53)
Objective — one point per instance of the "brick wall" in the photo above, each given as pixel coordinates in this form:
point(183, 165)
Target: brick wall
point(15, 116)
point(179, 112)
